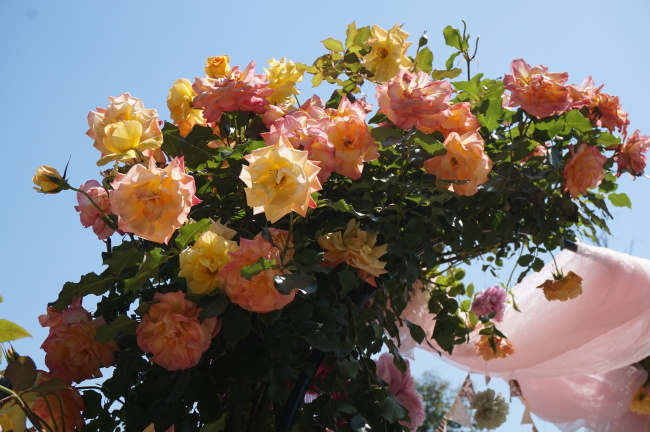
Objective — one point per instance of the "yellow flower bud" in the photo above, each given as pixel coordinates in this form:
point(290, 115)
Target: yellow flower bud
point(48, 180)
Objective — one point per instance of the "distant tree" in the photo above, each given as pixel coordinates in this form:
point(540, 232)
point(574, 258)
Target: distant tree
point(437, 397)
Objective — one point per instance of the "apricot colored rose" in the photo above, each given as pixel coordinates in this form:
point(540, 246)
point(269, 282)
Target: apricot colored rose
point(457, 118)
point(153, 202)
point(604, 110)
point(61, 410)
point(279, 180)
point(179, 102)
point(564, 288)
point(89, 214)
point(283, 75)
point(124, 129)
point(240, 90)
point(464, 160)
point(356, 248)
point(48, 180)
point(630, 156)
point(71, 352)
point(387, 53)
point(411, 99)
point(352, 145)
point(201, 263)
point(218, 66)
point(503, 346)
point(258, 294)
point(539, 92)
point(584, 170)
point(173, 333)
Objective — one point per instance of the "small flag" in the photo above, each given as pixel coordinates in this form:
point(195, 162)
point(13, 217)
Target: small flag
point(459, 414)
point(527, 419)
point(515, 389)
point(467, 390)
point(442, 426)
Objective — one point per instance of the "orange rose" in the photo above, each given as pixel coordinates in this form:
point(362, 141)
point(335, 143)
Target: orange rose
point(584, 170)
point(457, 118)
point(631, 157)
point(352, 144)
point(503, 347)
point(153, 203)
point(464, 160)
point(217, 67)
point(61, 410)
point(258, 294)
point(71, 352)
point(563, 288)
point(172, 332)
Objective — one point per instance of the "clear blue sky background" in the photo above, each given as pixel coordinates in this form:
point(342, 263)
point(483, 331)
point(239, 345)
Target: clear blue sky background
point(61, 59)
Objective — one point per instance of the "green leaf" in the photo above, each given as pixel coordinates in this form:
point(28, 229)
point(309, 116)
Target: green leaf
point(417, 333)
point(575, 120)
point(148, 269)
point(88, 284)
point(333, 45)
point(469, 87)
point(429, 143)
point(454, 39)
point(286, 283)
point(620, 200)
point(10, 331)
point(348, 368)
point(213, 305)
point(391, 410)
point(350, 34)
point(237, 325)
point(424, 60)
point(121, 324)
point(193, 147)
point(190, 231)
point(51, 386)
point(21, 373)
point(443, 74)
point(217, 426)
point(262, 264)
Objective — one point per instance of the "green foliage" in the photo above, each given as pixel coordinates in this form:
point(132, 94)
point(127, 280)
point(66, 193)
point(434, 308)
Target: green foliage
point(10, 331)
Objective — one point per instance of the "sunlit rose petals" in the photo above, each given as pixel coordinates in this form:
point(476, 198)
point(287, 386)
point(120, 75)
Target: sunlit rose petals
point(563, 288)
point(279, 180)
point(179, 102)
point(388, 53)
point(604, 110)
point(540, 93)
point(402, 386)
point(353, 145)
point(173, 333)
point(259, 293)
point(584, 170)
point(465, 160)
point(630, 156)
point(457, 118)
point(283, 75)
point(89, 214)
point(485, 349)
point(217, 67)
point(124, 129)
point(153, 202)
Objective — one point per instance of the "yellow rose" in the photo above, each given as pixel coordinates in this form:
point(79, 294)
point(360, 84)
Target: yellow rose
point(387, 54)
point(641, 402)
point(283, 76)
point(179, 102)
point(217, 67)
point(280, 179)
point(563, 289)
point(124, 129)
point(48, 180)
point(201, 263)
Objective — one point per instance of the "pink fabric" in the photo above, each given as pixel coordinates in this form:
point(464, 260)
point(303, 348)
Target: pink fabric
point(572, 358)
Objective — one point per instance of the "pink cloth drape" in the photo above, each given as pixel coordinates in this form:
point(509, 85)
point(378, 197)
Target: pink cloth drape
point(571, 358)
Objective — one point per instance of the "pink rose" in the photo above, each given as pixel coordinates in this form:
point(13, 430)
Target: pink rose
point(402, 386)
point(153, 202)
point(584, 170)
point(631, 157)
point(71, 352)
point(89, 215)
point(411, 99)
point(258, 294)
point(240, 90)
point(538, 92)
point(491, 300)
point(172, 332)
point(464, 160)
point(604, 110)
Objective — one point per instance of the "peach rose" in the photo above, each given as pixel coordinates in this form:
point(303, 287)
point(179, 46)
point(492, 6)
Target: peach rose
point(283, 76)
point(179, 102)
point(409, 99)
point(584, 170)
point(630, 156)
point(279, 180)
point(604, 110)
point(71, 352)
point(172, 332)
point(504, 347)
point(201, 263)
point(124, 129)
point(563, 288)
point(89, 214)
point(218, 66)
point(387, 53)
point(153, 202)
point(61, 410)
point(457, 118)
point(539, 92)
point(352, 144)
point(48, 180)
point(356, 248)
point(258, 294)
point(284, 242)
point(240, 90)
point(464, 160)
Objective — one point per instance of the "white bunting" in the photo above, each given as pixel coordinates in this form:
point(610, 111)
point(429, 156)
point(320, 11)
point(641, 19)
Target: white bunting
point(459, 414)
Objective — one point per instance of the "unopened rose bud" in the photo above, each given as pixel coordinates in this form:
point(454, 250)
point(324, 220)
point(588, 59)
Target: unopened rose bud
point(48, 180)
point(423, 40)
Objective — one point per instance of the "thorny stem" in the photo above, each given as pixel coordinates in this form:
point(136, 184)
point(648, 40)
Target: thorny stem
point(105, 217)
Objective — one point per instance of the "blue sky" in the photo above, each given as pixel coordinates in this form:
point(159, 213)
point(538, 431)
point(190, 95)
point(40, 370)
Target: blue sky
point(63, 58)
